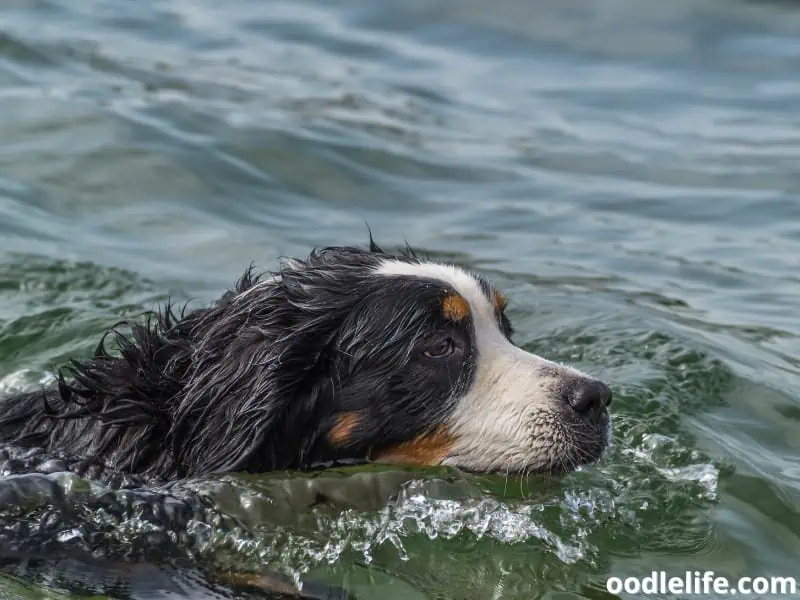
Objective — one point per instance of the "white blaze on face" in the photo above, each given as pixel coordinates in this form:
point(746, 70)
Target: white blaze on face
point(509, 418)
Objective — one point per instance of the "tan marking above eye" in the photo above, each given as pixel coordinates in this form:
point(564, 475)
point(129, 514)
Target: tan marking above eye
point(342, 430)
point(455, 307)
point(499, 300)
point(427, 449)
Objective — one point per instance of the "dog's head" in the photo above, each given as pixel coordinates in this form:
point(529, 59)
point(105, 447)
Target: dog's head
point(359, 355)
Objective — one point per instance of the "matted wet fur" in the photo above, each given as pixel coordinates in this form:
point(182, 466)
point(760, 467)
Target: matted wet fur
point(348, 355)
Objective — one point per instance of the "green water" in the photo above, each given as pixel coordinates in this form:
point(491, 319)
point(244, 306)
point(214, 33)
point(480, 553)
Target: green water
point(628, 171)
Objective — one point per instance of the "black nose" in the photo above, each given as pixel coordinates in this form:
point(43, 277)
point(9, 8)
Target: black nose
point(589, 396)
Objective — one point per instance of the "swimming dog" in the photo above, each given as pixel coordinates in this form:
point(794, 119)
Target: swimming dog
point(348, 355)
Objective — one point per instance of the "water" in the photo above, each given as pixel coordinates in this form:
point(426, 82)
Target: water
point(628, 171)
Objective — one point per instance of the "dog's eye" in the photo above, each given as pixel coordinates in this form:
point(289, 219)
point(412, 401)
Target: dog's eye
point(441, 348)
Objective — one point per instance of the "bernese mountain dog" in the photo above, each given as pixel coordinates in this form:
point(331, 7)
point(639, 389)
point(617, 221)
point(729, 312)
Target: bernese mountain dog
point(349, 355)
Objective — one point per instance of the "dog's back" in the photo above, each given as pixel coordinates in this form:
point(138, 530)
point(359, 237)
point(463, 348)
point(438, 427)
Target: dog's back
point(109, 407)
point(41, 420)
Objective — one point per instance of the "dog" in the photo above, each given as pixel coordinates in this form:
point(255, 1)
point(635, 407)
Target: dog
point(349, 355)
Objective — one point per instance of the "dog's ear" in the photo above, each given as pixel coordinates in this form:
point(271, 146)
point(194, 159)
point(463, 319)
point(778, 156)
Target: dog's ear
point(241, 400)
point(252, 395)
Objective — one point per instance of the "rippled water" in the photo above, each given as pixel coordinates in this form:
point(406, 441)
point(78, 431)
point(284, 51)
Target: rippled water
point(627, 170)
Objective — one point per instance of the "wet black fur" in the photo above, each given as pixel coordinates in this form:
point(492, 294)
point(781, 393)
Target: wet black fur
point(256, 381)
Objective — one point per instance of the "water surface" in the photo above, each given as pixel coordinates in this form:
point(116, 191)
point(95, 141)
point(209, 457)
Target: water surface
point(628, 171)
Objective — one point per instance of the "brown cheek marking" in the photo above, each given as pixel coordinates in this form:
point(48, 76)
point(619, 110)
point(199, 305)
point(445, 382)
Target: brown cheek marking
point(455, 307)
point(500, 301)
point(342, 430)
point(424, 450)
